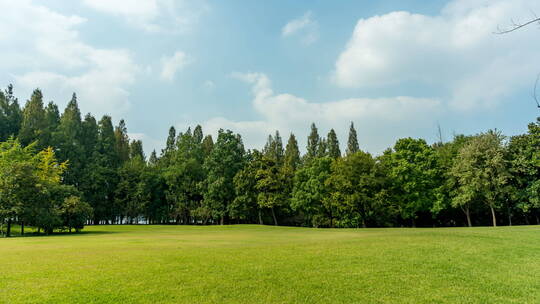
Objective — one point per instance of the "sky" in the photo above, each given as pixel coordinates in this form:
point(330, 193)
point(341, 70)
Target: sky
point(400, 68)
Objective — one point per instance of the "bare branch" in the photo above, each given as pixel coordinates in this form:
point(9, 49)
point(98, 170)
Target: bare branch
point(535, 96)
point(516, 26)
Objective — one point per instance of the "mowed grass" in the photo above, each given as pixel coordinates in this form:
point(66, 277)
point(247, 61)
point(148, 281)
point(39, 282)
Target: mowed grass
point(262, 264)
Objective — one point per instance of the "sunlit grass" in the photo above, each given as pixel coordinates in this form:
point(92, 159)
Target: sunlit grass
point(260, 264)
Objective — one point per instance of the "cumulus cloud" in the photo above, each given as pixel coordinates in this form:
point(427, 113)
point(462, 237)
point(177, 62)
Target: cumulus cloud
point(454, 52)
point(171, 65)
point(152, 15)
point(379, 121)
point(304, 26)
point(42, 48)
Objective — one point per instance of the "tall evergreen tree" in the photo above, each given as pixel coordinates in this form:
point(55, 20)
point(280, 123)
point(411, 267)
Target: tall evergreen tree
point(352, 143)
point(274, 148)
point(122, 141)
point(292, 153)
point(198, 134)
point(52, 117)
point(153, 159)
point(207, 145)
point(10, 114)
point(225, 160)
point(68, 139)
point(313, 142)
point(322, 149)
point(34, 121)
point(333, 145)
point(136, 150)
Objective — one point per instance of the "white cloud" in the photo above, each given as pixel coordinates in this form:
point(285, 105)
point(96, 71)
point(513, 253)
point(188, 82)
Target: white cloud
point(379, 121)
point(305, 27)
point(152, 15)
point(42, 48)
point(454, 52)
point(171, 65)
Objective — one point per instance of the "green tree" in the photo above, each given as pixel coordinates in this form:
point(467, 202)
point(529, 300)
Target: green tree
point(352, 143)
point(270, 185)
point(75, 213)
point(313, 142)
point(34, 122)
point(481, 172)
point(413, 173)
point(225, 160)
point(10, 114)
point(354, 186)
point(136, 150)
point(333, 145)
point(292, 153)
point(122, 142)
point(68, 139)
point(310, 193)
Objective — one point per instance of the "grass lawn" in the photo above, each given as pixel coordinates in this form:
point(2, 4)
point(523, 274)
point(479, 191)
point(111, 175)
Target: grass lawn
point(263, 264)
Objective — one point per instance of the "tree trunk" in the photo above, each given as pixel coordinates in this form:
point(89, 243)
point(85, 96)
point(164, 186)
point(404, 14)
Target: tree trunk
point(509, 217)
point(364, 223)
point(222, 220)
point(413, 222)
point(8, 231)
point(22, 227)
point(493, 218)
point(260, 217)
point(274, 216)
point(468, 215)
point(69, 229)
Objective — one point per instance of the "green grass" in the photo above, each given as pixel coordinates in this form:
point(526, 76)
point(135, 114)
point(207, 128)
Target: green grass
point(259, 264)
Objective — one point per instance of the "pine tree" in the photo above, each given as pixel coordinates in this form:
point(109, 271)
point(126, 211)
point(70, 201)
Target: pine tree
point(10, 114)
point(313, 142)
point(207, 145)
point(352, 143)
point(333, 145)
point(52, 117)
point(136, 150)
point(122, 141)
point(68, 139)
point(171, 142)
point(274, 148)
point(322, 149)
point(198, 134)
point(34, 121)
point(153, 159)
point(292, 153)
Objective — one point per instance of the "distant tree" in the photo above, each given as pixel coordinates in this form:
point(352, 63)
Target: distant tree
point(207, 145)
point(122, 141)
point(333, 145)
point(481, 172)
point(34, 121)
point(354, 187)
point(524, 162)
point(223, 163)
point(413, 174)
point(274, 148)
point(75, 213)
point(310, 193)
point(52, 118)
point(292, 153)
point(171, 141)
point(136, 150)
point(313, 142)
point(244, 206)
point(322, 150)
point(68, 141)
point(198, 134)
point(352, 143)
point(10, 114)
point(271, 186)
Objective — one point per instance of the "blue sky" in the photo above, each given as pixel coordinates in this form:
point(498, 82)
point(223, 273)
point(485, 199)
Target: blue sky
point(394, 68)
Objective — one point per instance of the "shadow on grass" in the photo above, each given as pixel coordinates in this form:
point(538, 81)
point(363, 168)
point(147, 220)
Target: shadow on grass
point(58, 233)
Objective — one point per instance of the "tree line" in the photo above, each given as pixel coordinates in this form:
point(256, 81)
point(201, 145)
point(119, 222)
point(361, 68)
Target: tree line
point(105, 178)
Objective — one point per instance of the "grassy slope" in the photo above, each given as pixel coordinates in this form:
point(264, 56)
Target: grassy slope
point(257, 264)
